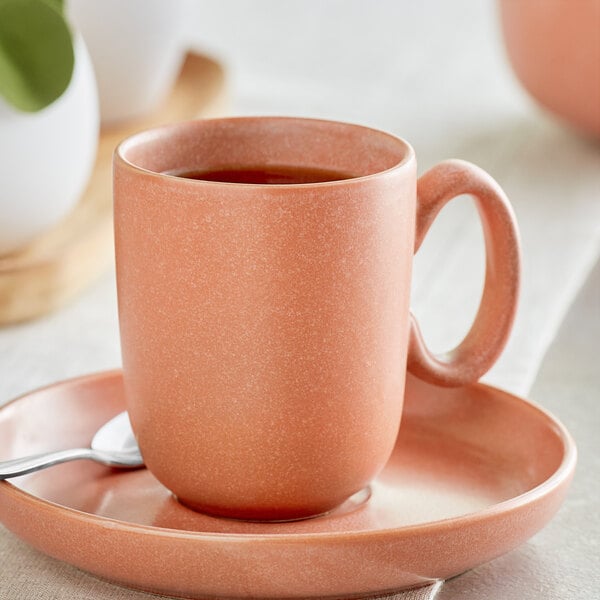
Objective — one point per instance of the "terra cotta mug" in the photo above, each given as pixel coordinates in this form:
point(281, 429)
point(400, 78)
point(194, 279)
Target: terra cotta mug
point(265, 329)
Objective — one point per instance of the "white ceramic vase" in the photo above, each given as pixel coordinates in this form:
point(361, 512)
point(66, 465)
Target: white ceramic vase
point(137, 47)
point(46, 157)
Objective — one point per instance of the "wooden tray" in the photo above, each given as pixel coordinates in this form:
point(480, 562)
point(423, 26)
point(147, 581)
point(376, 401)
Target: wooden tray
point(66, 259)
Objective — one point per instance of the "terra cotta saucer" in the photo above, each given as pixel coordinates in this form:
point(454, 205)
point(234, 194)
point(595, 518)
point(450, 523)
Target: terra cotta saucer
point(475, 473)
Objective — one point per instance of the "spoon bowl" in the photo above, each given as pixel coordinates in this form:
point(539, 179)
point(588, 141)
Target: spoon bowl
point(113, 445)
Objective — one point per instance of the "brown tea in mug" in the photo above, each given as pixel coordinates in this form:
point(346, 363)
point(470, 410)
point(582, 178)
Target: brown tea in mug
point(272, 174)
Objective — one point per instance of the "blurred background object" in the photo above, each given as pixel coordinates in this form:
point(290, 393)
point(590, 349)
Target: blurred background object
point(55, 211)
point(137, 49)
point(48, 120)
point(554, 49)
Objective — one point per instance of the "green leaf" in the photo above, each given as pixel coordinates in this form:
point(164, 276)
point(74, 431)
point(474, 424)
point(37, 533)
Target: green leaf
point(36, 53)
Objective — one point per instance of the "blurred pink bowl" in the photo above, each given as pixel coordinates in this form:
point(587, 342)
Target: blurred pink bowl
point(554, 48)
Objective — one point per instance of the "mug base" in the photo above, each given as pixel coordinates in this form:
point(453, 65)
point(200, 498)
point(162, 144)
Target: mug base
point(277, 515)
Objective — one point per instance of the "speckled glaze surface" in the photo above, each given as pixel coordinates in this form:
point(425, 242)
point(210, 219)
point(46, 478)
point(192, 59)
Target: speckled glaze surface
point(554, 48)
point(265, 328)
point(474, 473)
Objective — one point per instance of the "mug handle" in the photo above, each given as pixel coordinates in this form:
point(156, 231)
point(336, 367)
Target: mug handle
point(491, 328)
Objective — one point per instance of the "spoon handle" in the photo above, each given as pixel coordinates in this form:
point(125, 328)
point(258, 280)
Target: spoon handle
point(29, 464)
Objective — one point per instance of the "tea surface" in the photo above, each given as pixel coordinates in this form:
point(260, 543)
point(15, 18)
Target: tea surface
point(272, 174)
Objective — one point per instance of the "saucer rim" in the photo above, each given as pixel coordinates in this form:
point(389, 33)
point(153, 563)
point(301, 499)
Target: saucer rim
point(560, 476)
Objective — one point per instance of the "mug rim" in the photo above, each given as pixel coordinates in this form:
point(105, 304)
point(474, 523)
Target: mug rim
point(153, 134)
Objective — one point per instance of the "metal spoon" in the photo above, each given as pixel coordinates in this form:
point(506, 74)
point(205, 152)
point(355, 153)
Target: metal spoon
point(113, 445)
